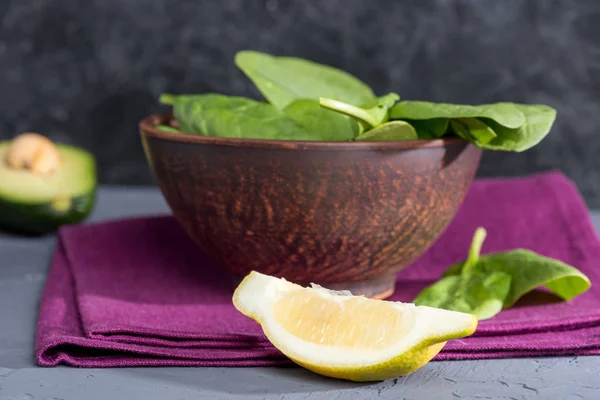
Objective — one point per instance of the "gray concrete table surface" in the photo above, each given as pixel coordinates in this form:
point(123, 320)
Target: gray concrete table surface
point(23, 266)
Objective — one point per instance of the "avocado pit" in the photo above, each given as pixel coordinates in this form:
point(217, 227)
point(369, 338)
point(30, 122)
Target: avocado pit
point(33, 152)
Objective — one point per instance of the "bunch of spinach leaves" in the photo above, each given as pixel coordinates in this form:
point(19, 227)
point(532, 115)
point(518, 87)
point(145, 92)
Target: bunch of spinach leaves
point(310, 101)
point(485, 285)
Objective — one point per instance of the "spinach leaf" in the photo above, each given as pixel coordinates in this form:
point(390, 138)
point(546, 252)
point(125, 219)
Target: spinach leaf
point(167, 128)
point(470, 291)
point(371, 115)
point(485, 285)
point(239, 117)
point(379, 108)
point(482, 296)
point(498, 126)
point(530, 270)
point(430, 128)
point(285, 79)
point(461, 130)
point(505, 114)
point(473, 129)
point(538, 122)
point(327, 124)
point(392, 130)
point(236, 117)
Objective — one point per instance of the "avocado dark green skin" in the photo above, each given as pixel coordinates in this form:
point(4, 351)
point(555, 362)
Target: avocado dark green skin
point(42, 218)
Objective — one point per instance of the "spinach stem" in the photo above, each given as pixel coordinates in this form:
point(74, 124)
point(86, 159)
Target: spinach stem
point(348, 109)
point(472, 259)
point(475, 250)
point(461, 130)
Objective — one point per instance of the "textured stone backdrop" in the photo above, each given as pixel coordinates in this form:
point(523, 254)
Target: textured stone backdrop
point(86, 72)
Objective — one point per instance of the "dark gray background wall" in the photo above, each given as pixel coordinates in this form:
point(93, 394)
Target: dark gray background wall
point(86, 72)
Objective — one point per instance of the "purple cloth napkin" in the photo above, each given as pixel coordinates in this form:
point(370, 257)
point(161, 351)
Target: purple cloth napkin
point(139, 292)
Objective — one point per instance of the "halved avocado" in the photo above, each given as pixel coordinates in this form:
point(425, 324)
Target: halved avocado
point(33, 202)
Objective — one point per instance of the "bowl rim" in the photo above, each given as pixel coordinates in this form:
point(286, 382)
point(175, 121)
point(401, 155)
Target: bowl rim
point(147, 126)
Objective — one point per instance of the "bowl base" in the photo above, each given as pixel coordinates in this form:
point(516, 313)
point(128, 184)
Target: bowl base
point(379, 288)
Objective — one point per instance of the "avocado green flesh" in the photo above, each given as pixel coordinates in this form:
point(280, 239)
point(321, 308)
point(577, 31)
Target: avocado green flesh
point(34, 204)
point(76, 176)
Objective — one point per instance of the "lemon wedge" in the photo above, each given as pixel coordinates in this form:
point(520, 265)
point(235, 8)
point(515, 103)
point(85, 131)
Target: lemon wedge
point(349, 337)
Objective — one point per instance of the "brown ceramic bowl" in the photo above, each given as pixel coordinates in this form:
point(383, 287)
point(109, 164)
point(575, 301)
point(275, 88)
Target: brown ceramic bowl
point(342, 215)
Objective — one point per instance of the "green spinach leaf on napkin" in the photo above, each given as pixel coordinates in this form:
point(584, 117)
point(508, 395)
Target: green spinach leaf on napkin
point(485, 285)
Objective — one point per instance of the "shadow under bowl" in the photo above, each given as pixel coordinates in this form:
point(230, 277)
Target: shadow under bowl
point(344, 215)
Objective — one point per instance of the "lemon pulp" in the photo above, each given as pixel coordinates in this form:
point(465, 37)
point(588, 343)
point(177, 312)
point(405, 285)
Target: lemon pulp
point(355, 323)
